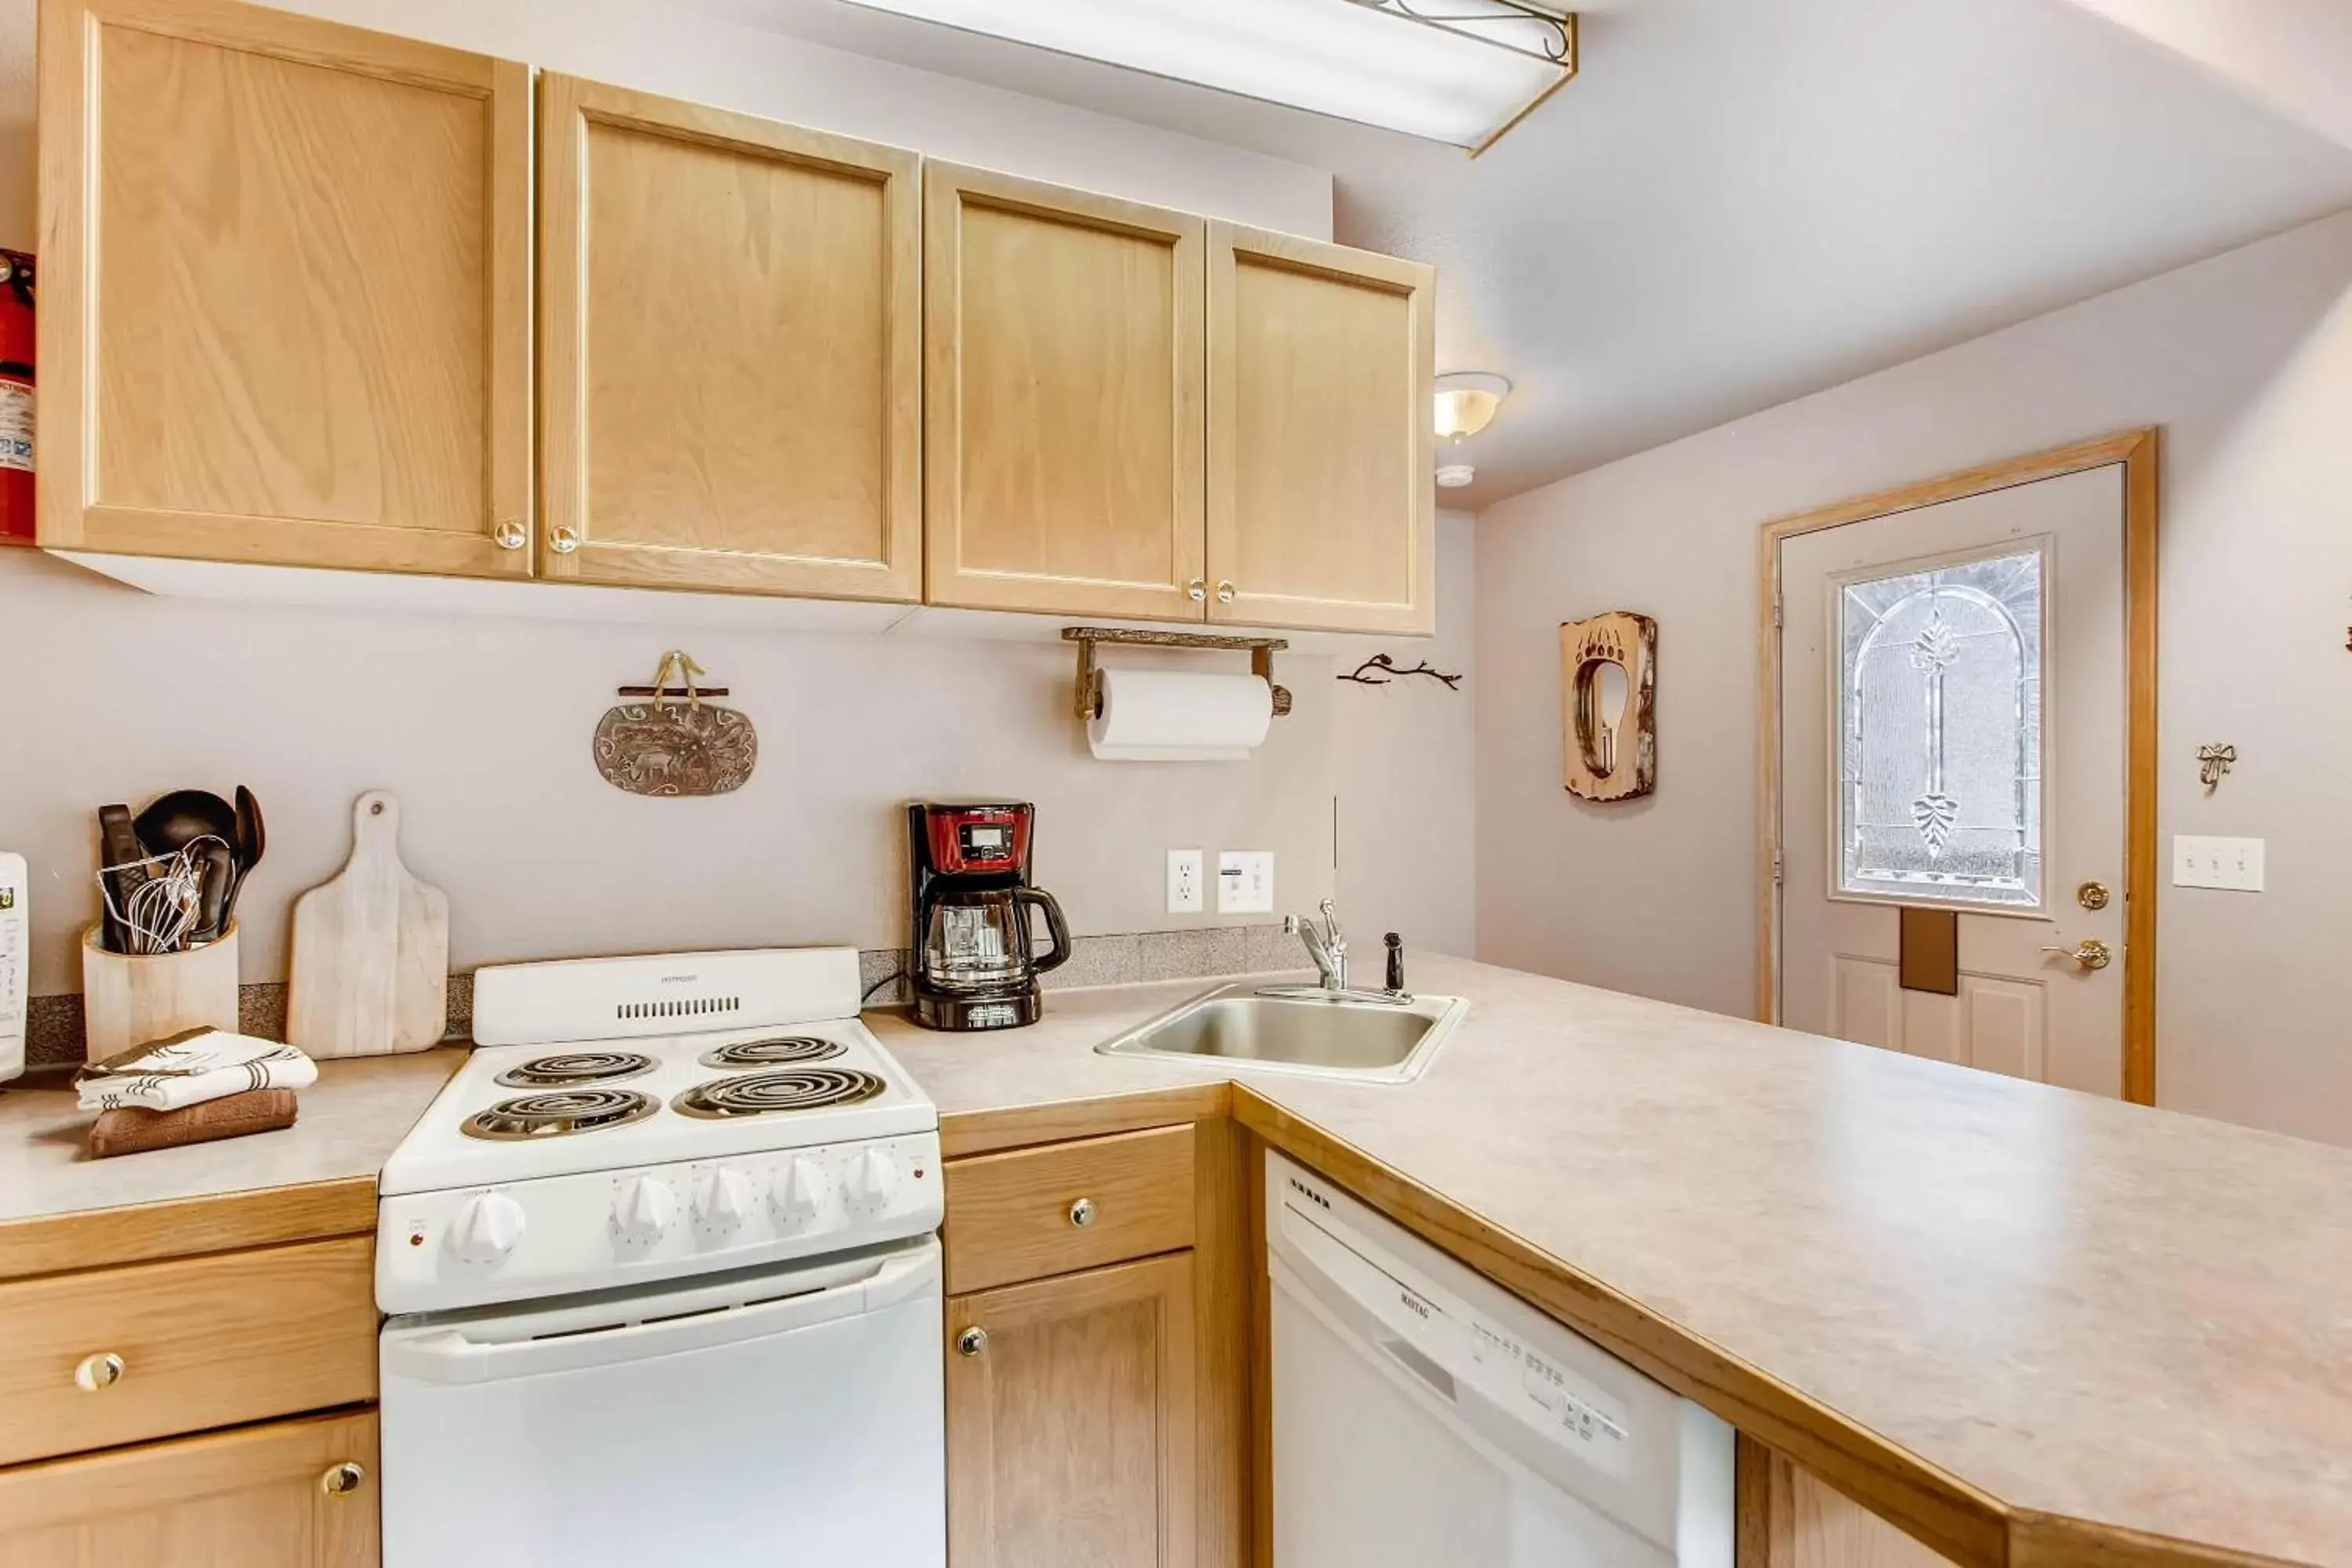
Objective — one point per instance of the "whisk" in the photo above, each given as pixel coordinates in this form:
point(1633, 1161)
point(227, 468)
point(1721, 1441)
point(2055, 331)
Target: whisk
point(161, 913)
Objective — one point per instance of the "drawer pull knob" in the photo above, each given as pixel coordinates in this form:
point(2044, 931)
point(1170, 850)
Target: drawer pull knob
point(103, 1370)
point(510, 535)
point(972, 1342)
point(341, 1480)
point(1225, 593)
point(1082, 1213)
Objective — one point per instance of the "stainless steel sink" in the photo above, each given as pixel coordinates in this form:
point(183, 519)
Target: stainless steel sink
point(1292, 1028)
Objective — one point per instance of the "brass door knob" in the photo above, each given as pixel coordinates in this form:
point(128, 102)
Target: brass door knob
point(1196, 590)
point(1082, 1213)
point(1225, 593)
point(563, 538)
point(2092, 895)
point(972, 1342)
point(341, 1480)
point(510, 535)
point(2091, 953)
point(98, 1372)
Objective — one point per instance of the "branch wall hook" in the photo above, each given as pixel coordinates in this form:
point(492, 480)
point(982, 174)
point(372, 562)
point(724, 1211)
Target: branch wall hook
point(1382, 670)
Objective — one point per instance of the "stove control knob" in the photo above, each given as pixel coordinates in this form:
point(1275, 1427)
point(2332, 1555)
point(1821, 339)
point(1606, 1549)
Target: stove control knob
point(487, 1229)
point(873, 1181)
point(722, 1199)
point(799, 1194)
point(644, 1209)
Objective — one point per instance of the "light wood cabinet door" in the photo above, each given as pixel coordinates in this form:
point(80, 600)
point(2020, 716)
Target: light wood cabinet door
point(730, 318)
point(1071, 1428)
point(1064, 422)
point(1322, 505)
point(256, 1497)
point(284, 291)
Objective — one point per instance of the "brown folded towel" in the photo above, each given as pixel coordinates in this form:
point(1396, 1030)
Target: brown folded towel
point(129, 1129)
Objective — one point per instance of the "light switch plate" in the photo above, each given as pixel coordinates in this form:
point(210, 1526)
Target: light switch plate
point(1245, 882)
point(1184, 894)
point(2235, 864)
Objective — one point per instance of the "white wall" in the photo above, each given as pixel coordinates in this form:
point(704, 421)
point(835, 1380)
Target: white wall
point(1408, 800)
point(482, 726)
point(2246, 362)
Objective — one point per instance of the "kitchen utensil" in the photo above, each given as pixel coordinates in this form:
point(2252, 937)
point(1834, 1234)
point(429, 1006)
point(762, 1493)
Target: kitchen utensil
point(219, 882)
point(178, 819)
point(251, 841)
point(122, 871)
point(370, 950)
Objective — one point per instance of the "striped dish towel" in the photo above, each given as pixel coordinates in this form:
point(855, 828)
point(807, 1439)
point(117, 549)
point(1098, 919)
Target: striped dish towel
point(190, 1068)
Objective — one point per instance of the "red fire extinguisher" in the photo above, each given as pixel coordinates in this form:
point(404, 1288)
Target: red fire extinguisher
point(15, 397)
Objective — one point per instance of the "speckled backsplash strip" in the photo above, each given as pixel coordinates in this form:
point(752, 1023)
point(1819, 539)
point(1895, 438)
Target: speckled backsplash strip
point(53, 1027)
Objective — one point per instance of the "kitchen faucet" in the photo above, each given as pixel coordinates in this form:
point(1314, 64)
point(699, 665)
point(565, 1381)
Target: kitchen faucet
point(1326, 946)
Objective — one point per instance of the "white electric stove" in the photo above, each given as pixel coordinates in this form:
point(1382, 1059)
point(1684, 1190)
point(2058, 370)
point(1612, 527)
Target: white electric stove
point(671, 1232)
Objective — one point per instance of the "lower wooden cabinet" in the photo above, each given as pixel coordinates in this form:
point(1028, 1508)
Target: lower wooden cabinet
point(289, 1494)
point(1790, 1518)
point(1071, 1434)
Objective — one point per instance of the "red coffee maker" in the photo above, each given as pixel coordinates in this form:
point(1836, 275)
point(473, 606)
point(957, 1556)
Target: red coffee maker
point(974, 956)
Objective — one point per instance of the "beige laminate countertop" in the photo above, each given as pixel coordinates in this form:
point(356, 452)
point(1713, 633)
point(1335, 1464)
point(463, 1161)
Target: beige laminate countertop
point(2012, 1310)
point(59, 1207)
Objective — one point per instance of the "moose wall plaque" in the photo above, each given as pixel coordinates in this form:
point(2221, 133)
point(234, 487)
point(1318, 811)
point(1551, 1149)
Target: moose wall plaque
point(1609, 678)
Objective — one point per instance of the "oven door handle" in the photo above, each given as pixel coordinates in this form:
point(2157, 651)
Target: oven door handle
point(448, 1356)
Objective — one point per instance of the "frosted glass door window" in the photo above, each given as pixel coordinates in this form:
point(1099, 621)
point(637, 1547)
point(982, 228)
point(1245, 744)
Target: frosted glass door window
point(1939, 739)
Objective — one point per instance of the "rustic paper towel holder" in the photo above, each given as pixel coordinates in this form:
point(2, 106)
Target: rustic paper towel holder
point(1089, 688)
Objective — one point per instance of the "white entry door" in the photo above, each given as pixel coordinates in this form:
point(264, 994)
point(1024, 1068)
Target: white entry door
point(1953, 733)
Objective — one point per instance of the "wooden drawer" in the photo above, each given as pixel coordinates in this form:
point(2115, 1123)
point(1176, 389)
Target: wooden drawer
point(204, 1341)
point(1011, 1217)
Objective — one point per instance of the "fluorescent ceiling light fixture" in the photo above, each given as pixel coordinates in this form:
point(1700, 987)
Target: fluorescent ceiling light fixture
point(1460, 72)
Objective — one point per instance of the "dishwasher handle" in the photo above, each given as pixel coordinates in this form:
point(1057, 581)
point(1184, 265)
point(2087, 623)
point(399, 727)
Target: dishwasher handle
point(448, 1355)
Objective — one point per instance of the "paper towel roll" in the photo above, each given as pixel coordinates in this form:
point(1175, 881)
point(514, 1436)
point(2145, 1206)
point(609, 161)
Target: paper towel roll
point(1179, 716)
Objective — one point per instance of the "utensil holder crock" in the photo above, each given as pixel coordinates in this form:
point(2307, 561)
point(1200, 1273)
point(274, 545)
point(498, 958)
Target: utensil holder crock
point(134, 999)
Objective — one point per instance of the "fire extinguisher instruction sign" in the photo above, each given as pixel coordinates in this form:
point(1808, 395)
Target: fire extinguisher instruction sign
point(15, 426)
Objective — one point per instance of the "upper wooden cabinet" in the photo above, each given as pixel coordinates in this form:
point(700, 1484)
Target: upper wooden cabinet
point(1063, 420)
point(1322, 507)
point(284, 290)
point(732, 362)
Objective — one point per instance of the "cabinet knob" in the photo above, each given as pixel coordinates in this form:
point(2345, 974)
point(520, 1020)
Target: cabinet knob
point(341, 1480)
point(1225, 593)
point(1196, 590)
point(563, 538)
point(103, 1370)
point(510, 535)
point(972, 1342)
point(1082, 1213)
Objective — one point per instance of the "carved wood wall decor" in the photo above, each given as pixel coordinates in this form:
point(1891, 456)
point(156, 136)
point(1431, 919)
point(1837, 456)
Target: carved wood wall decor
point(671, 748)
point(1610, 756)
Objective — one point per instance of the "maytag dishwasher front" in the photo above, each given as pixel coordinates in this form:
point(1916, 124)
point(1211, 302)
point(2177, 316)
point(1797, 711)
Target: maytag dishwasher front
point(1424, 1416)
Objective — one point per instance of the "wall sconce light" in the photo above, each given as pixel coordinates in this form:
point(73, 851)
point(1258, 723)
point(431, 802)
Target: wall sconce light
point(1465, 404)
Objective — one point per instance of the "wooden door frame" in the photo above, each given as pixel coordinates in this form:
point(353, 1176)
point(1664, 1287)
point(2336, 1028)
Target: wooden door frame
point(2135, 450)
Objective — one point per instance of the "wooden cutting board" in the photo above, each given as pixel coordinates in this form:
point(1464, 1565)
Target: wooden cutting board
point(370, 950)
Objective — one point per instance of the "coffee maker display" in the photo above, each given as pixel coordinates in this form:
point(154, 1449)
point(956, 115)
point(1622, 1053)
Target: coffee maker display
point(974, 961)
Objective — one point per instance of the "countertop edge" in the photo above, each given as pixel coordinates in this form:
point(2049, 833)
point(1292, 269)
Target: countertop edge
point(185, 1227)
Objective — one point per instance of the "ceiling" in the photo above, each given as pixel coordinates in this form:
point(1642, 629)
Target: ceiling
point(1740, 202)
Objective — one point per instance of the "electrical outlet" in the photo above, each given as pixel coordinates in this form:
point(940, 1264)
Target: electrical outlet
point(1245, 882)
point(2235, 864)
point(1184, 882)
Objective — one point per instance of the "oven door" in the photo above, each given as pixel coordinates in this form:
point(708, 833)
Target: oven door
point(770, 1418)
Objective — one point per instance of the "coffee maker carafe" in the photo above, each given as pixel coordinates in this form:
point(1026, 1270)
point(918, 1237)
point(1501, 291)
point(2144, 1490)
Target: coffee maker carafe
point(975, 962)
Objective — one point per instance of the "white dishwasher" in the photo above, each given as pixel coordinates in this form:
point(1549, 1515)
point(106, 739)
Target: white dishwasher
point(1424, 1416)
